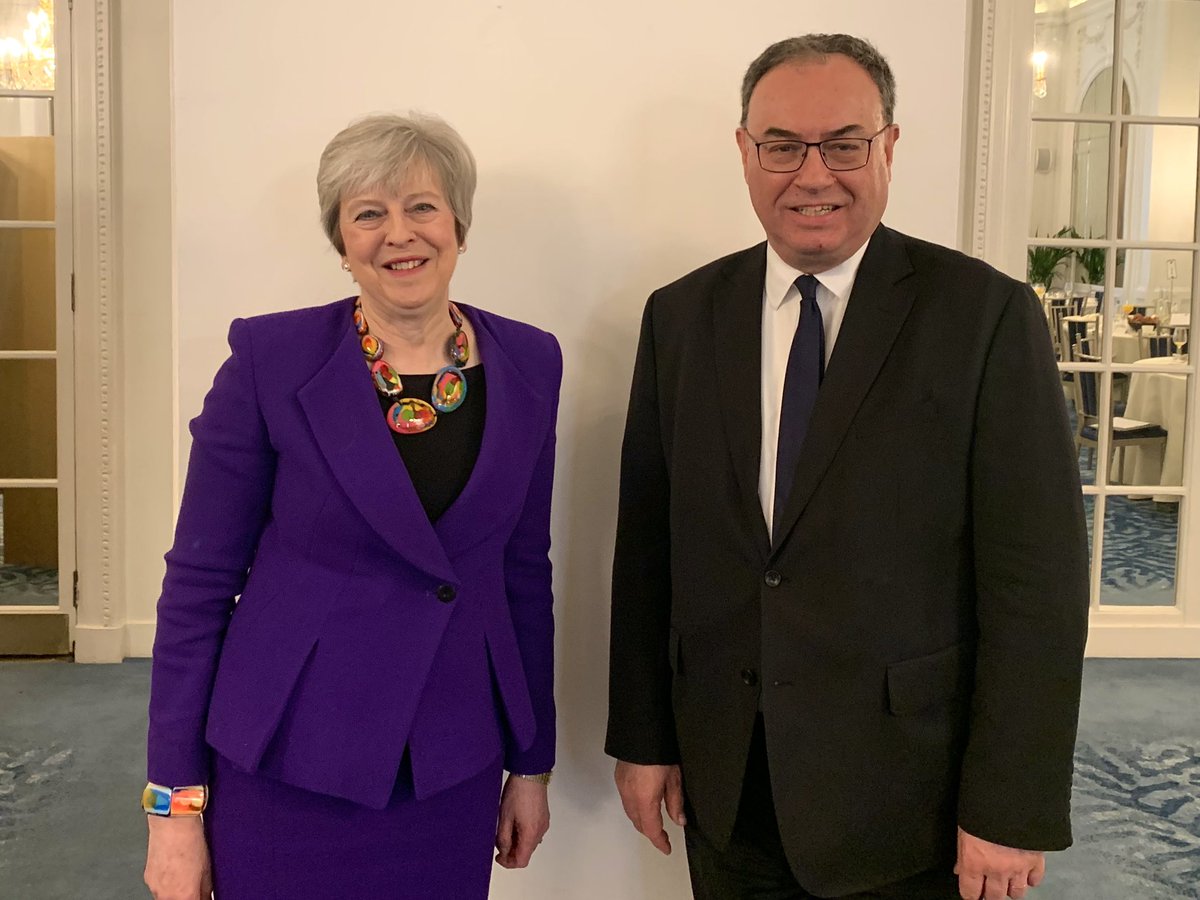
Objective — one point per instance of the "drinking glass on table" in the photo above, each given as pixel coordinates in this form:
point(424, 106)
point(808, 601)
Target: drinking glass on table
point(1179, 337)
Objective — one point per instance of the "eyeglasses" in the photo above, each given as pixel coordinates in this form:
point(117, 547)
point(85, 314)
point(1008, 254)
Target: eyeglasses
point(841, 154)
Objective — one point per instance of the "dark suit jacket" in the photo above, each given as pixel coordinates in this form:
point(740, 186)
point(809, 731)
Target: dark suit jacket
point(914, 637)
point(362, 628)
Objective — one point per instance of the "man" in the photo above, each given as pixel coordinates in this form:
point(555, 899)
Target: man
point(850, 587)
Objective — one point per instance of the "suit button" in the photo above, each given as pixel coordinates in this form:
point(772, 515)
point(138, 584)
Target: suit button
point(446, 592)
point(750, 677)
point(773, 578)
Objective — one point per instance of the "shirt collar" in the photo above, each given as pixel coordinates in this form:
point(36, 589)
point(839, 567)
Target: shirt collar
point(781, 277)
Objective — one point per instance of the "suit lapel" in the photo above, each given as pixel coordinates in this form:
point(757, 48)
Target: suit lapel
point(513, 432)
point(737, 339)
point(879, 304)
point(352, 434)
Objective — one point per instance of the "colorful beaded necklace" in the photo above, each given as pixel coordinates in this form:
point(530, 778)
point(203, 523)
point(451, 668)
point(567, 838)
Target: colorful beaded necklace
point(411, 415)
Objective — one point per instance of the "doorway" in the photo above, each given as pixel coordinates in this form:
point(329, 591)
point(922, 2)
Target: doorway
point(37, 522)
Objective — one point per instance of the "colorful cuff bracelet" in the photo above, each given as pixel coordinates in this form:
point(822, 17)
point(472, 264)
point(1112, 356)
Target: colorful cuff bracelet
point(540, 778)
point(158, 800)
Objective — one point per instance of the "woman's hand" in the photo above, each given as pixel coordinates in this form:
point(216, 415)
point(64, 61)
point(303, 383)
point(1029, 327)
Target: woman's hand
point(524, 821)
point(177, 866)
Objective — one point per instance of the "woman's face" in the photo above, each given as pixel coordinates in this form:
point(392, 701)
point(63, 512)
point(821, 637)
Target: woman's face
point(401, 245)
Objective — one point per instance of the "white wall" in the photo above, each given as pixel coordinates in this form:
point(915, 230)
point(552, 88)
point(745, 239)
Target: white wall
point(142, 188)
point(604, 134)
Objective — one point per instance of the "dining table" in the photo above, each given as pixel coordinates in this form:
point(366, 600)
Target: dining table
point(1159, 397)
point(1126, 343)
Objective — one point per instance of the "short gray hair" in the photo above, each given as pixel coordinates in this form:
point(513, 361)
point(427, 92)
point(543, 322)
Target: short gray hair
point(815, 48)
point(380, 152)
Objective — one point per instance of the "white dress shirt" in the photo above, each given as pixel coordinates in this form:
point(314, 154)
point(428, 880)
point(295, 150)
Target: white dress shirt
point(780, 316)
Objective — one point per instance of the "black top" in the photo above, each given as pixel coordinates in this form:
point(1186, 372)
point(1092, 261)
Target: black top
point(440, 460)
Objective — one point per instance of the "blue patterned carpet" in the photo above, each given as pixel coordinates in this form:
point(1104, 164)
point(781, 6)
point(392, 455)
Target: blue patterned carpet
point(1138, 807)
point(72, 766)
point(1141, 538)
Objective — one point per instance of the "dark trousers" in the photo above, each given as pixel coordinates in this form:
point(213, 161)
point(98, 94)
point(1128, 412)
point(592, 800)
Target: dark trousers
point(754, 866)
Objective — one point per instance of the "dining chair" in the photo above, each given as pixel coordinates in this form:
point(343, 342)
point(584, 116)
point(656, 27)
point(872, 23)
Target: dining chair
point(1125, 432)
point(1087, 350)
point(1155, 345)
point(1059, 310)
point(1076, 332)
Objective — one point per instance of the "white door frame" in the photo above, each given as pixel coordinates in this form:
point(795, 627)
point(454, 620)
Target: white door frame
point(100, 625)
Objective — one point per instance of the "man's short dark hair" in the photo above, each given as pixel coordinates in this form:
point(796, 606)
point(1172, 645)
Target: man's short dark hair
point(815, 48)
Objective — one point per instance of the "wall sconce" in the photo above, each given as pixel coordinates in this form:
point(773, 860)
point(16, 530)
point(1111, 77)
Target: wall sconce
point(1039, 74)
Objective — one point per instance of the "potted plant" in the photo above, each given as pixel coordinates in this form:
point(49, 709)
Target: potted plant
point(1091, 259)
point(1044, 261)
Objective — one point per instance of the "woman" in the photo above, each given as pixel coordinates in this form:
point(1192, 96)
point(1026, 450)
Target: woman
point(373, 478)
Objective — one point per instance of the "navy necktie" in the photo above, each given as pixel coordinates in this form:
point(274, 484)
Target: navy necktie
point(805, 369)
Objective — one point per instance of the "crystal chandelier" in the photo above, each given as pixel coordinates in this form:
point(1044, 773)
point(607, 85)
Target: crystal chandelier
point(27, 63)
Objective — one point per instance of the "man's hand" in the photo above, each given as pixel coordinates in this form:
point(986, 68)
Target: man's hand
point(643, 791)
point(524, 821)
point(177, 865)
point(993, 871)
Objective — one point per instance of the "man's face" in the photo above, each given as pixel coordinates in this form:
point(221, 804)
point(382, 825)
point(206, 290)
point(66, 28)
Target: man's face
point(814, 218)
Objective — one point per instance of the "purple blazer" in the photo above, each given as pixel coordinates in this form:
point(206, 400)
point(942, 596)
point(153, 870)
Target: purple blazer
point(361, 628)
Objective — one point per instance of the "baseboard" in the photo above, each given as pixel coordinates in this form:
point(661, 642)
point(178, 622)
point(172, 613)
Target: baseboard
point(139, 639)
point(1144, 642)
point(99, 644)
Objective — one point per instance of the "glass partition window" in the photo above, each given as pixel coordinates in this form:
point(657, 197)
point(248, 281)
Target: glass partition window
point(1159, 42)
point(1141, 542)
point(1064, 63)
point(1112, 250)
point(1070, 179)
point(32, 301)
point(1154, 289)
point(27, 45)
point(28, 547)
point(27, 409)
point(1161, 197)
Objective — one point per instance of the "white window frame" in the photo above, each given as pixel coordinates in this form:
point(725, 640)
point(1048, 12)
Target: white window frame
point(64, 482)
point(995, 228)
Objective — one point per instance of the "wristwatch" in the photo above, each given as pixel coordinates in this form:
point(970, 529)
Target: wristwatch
point(540, 778)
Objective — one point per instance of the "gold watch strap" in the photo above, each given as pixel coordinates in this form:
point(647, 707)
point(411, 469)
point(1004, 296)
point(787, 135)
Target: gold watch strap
point(540, 778)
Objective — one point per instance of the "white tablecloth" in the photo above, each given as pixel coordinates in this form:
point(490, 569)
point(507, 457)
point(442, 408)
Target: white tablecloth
point(1126, 346)
point(1161, 398)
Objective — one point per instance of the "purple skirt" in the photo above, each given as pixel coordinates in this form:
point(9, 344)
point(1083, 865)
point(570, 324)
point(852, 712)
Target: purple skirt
point(272, 840)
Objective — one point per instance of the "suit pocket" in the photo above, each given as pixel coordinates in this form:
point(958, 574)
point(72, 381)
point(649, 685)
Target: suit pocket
point(927, 682)
point(674, 654)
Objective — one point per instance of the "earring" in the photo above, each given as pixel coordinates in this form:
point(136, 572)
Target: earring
point(345, 266)
point(462, 249)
